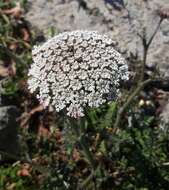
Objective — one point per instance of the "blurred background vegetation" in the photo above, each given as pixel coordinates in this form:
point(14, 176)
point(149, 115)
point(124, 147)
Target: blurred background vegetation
point(133, 156)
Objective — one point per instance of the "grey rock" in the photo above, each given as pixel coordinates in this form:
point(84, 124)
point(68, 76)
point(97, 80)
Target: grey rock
point(122, 25)
point(8, 130)
point(63, 15)
point(164, 124)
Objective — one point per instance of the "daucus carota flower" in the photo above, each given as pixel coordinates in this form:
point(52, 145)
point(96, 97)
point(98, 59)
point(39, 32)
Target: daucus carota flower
point(77, 69)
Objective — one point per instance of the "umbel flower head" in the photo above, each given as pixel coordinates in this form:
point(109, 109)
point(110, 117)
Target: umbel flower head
point(77, 69)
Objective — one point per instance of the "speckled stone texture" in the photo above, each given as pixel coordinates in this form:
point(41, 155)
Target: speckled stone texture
point(122, 22)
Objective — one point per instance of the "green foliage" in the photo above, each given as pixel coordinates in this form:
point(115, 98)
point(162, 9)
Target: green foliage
point(20, 56)
point(10, 180)
point(102, 117)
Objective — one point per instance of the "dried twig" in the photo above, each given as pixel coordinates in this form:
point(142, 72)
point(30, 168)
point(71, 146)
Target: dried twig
point(146, 45)
point(141, 84)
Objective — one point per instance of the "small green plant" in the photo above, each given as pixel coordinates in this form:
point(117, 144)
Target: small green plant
point(9, 180)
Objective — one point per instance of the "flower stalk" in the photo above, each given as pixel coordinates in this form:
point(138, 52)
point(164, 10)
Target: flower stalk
point(76, 126)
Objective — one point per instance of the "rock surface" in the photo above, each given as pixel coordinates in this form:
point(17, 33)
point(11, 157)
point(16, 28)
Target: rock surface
point(8, 130)
point(123, 22)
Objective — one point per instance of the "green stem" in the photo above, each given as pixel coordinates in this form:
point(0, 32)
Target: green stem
point(129, 100)
point(84, 145)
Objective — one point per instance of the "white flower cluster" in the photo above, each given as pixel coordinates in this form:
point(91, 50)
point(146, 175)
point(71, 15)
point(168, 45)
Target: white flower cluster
point(76, 69)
